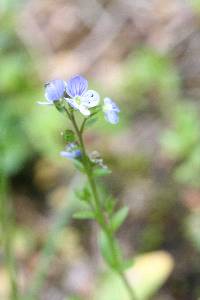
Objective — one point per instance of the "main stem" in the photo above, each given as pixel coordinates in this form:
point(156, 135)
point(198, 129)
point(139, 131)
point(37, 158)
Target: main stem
point(101, 217)
point(6, 231)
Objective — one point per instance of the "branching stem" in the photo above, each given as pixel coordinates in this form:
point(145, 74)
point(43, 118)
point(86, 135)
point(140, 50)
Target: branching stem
point(101, 219)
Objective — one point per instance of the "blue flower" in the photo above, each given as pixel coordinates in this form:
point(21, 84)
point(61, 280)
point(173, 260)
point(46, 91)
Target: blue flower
point(111, 111)
point(71, 151)
point(80, 97)
point(54, 90)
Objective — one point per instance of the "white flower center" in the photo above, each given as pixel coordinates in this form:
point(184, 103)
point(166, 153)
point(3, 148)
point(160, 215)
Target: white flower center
point(78, 100)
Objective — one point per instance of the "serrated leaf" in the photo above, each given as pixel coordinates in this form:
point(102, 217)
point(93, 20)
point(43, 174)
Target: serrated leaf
point(84, 214)
point(98, 172)
point(118, 218)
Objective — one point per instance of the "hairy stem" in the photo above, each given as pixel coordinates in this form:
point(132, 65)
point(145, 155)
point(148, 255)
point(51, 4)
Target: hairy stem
point(101, 219)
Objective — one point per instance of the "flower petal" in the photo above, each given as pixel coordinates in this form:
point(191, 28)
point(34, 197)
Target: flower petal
point(55, 89)
point(111, 105)
point(84, 110)
point(71, 151)
point(76, 86)
point(90, 99)
point(112, 117)
point(67, 154)
point(72, 103)
point(45, 103)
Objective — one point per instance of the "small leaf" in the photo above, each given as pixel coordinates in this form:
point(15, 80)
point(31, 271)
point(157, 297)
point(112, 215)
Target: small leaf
point(109, 204)
point(84, 214)
point(106, 249)
point(110, 251)
point(69, 136)
point(98, 172)
point(79, 166)
point(148, 273)
point(91, 121)
point(59, 106)
point(119, 217)
point(126, 264)
point(84, 194)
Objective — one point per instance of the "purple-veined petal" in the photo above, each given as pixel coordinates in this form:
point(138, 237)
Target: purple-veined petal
point(55, 89)
point(112, 117)
point(76, 86)
point(90, 99)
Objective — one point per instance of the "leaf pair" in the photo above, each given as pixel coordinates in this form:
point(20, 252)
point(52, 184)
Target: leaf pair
point(83, 194)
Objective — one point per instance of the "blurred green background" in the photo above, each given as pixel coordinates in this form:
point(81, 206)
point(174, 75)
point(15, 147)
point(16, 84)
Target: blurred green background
point(145, 55)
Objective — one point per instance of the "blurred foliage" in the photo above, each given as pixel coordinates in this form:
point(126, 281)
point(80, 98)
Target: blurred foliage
point(25, 129)
point(182, 143)
point(14, 149)
point(195, 4)
point(147, 275)
point(148, 74)
point(192, 224)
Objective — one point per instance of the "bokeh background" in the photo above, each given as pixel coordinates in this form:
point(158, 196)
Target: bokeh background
point(145, 54)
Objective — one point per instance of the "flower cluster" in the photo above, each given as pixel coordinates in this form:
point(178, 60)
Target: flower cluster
point(76, 94)
point(72, 151)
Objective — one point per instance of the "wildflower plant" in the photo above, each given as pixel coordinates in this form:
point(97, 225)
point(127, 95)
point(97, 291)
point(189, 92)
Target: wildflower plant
point(80, 105)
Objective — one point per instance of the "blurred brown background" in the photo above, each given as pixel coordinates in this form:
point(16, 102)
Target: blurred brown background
point(145, 55)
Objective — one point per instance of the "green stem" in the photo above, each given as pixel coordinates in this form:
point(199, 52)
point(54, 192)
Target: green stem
point(128, 286)
point(7, 233)
point(82, 126)
point(101, 219)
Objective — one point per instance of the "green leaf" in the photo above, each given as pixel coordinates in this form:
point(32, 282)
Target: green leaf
point(84, 194)
point(119, 217)
point(69, 136)
point(148, 273)
point(84, 214)
point(79, 166)
point(98, 172)
point(109, 204)
point(91, 121)
point(59, 106)
point(126, 264)
point(106, 250)
point(110, 251)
